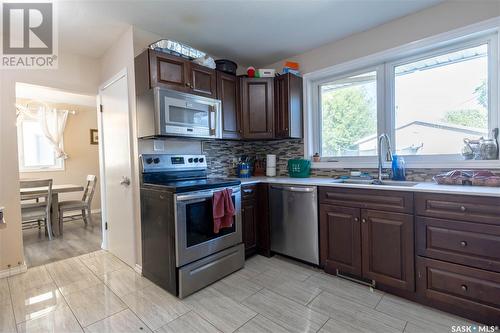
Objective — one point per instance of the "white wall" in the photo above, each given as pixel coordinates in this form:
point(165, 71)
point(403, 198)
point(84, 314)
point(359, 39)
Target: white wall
point(428, 22)
point(75, 74)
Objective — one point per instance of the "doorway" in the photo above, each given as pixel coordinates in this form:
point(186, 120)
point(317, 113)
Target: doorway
point(58, 154)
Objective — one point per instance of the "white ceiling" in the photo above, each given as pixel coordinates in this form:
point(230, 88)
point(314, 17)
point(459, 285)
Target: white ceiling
point(249, 32)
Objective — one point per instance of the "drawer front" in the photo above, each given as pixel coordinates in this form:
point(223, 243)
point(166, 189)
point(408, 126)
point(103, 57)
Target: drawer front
point(459, 207)
point(248, 192)
point(471, 244)
point(393, 201)
point(466, 288)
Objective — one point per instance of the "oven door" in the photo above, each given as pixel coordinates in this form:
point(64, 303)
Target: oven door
point(188, 115)
point(195, 238)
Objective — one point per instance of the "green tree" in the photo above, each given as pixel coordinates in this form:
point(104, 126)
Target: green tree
point(349, 114)
point(481, 93)
point(470, 118)
point(474, 117)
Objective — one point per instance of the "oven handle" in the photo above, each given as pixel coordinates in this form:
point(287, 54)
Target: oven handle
point(202, 195)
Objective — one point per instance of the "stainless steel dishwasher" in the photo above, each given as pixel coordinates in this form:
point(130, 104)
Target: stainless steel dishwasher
point(294, 222)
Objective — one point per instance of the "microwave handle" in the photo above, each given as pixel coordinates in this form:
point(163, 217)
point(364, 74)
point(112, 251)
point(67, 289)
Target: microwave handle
point(211, 119)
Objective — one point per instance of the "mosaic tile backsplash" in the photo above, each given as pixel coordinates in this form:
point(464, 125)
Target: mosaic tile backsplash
point(221, 159)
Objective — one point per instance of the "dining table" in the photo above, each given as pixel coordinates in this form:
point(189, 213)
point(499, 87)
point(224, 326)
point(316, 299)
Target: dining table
point(56, 190)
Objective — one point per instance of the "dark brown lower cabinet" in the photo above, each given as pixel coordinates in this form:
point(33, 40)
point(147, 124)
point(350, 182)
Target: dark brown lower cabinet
point(373, 245)
point(249, 218)
point(466, 291)
point(388, 253)
point(340, 239)
point(255, 219)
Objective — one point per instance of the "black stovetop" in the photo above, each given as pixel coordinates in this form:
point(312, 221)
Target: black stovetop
point(189, 185)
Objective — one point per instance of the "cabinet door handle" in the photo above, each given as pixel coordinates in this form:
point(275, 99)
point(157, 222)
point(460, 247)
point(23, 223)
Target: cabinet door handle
point(248, 191)
point(356, 219)
point(187, 84)
point(363, 220)
point(463, 243)
point(464, 287)
point(463, 208)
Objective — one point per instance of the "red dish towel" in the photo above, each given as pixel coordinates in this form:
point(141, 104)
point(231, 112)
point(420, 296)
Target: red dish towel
point(223, 209)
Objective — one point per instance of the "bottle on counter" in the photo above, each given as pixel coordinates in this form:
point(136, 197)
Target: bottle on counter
point(398, 168)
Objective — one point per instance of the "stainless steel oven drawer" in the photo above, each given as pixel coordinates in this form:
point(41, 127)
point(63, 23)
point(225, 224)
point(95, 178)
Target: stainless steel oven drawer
point(201, 273)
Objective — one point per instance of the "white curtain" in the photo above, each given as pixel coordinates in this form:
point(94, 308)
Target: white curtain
point(52, 122)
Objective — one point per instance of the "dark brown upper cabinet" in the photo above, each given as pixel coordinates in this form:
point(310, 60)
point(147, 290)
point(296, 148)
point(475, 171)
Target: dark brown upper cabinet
point(157, 69)
point(203, 80)
point(257, 107)
point(288, 106)
point(229, 94)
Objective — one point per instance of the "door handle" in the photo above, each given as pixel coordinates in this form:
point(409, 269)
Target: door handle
point(125, 181)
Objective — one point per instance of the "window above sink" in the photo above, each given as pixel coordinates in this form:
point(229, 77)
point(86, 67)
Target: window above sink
point(427, 96)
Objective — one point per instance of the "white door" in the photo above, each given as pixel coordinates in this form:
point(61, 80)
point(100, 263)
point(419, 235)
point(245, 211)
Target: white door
point(116, 170)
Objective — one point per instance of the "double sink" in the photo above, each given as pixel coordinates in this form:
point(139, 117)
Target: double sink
point(376, 182)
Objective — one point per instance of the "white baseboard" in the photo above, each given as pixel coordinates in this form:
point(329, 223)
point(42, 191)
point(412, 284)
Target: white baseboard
point(138, 269)
point(13, 271)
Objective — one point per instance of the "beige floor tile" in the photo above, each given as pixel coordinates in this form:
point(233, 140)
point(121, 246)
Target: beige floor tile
point(125, 281)
point(60, 320)
point(71, 275)
point(260, 324)
point(124, 322)
point(350, 290)
point(4, 292)
point(341, 326)
point(423, 327)
point(33, 278)
point(7, 321)
point(236, 287)
point(36, 302)
point(289, 314)
point(190, 322)
point(295, 290)
point(155, 307)
point(93, 304)
point(416, 313)
point(103, 263)
point(261, 264)
point(220, 310)
point(362, 317)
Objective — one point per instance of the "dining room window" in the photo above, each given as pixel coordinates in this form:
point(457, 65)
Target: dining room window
point(35, 151)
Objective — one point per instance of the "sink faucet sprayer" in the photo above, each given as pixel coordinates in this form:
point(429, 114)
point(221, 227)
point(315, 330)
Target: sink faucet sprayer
point(381, 138)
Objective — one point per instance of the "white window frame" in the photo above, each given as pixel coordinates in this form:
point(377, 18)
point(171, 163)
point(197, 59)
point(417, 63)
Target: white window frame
point(384, 63)
point(59, 166)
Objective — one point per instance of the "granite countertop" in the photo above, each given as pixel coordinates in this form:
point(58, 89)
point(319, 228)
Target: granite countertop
point(420, 187)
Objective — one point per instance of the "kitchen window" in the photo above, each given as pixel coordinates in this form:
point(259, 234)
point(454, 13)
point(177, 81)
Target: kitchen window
point(427, 99)
point(35, 151)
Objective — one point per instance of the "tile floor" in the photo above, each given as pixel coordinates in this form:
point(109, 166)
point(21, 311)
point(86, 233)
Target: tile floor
point(76, 240)
point(97, 292)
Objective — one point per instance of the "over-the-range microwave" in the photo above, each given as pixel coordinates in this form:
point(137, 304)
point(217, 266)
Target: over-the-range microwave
point(164, 112)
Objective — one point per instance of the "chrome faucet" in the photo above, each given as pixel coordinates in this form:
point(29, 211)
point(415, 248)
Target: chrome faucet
point(381, 138)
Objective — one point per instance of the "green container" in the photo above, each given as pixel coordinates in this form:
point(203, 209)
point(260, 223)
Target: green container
point(299, 168)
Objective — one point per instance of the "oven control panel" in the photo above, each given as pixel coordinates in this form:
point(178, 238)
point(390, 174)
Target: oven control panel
point(152, 162)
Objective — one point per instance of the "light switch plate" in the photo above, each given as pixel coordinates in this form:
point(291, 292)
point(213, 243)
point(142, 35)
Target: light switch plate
point(2, 221)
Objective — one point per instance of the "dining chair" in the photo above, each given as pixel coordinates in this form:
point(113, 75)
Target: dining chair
point(84, 205)
point(36, 207)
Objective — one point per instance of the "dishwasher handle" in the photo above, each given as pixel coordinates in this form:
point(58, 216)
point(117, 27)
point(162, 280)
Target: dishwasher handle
point(294, 189)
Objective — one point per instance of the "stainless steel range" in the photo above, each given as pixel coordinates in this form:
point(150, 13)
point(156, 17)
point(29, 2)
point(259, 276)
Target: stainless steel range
point(180, 251)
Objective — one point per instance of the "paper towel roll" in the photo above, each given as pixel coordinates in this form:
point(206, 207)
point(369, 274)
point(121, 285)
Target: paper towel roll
point(271, 161)
point(271, 171)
